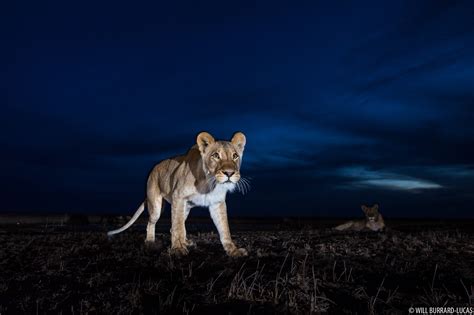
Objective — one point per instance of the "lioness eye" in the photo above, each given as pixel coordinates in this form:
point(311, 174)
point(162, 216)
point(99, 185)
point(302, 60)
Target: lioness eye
point(215, 155)
point(235, 156)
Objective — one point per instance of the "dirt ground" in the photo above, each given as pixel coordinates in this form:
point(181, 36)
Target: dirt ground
point(292, 268)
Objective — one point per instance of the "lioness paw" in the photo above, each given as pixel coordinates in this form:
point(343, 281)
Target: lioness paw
point(190, 243)
point(179, 251)
point(238, 252)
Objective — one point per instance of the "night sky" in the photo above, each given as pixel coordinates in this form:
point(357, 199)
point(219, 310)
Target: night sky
point(343, 103)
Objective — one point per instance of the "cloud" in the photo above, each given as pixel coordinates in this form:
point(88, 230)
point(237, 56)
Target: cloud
point(401, 184)
point(364, 177)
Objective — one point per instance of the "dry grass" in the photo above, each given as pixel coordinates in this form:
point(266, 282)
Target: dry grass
point(56, 269)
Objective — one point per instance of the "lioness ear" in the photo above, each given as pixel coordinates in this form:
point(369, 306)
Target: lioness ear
point(203, 140)
point(376, 207)
point(239, 140)
point(364, 208)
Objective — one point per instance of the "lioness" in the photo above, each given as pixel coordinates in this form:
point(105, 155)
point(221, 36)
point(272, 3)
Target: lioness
point(202, 177)
point(373, 221)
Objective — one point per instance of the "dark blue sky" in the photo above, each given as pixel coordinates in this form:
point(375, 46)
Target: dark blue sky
point(343, 103)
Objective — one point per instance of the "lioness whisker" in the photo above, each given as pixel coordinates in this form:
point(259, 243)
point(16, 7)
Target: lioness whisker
point(245, 184)
point(239, 187)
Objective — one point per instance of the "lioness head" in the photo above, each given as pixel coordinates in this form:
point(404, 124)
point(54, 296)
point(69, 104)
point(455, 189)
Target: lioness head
point(222, 159)
point(371, 213)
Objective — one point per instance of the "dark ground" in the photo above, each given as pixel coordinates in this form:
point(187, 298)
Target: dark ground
point(294, 266)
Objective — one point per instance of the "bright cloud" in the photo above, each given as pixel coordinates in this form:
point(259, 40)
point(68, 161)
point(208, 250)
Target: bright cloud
point(364, 177)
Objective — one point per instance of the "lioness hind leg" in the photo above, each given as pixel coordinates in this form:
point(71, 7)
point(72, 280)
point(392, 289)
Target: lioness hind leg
point(345, 226)
point(178, 230)
point(154, 211)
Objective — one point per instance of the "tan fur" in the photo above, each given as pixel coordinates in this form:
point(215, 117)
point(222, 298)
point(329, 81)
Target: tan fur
point(373, 221)
point(202, 177)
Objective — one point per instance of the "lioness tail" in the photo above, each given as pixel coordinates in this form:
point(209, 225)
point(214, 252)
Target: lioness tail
point(129, 223)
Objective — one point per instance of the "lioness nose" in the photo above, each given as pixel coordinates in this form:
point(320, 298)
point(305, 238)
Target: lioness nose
point(228, 173)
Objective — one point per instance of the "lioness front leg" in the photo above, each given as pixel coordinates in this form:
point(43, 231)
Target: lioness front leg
point(219, 217)
point(178, 231)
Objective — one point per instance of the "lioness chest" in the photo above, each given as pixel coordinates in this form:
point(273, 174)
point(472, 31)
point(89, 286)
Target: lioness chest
point(214, 197)
point(374, 226)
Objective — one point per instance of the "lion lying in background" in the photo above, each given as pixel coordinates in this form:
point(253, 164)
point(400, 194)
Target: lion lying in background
point(373, 221)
